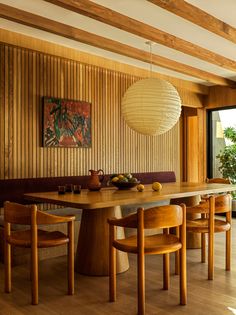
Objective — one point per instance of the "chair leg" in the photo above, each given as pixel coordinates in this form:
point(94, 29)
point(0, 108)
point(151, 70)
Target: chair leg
point(7, 264)
point(141, 285)
point(182, 252)
point(183, 277)
point(166, 266)
point(228, 250)
point(177, 271)
point(112, 266)
point(34, 275)
point(71, 267)
point(203, 247)
point(203, 242)
point(211, 239)
point(112, 275)
point(210, 257)
point(228, 242)
point(166, 271)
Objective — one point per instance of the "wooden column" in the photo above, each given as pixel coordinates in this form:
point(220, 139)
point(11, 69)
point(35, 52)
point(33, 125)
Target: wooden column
point(194, 159)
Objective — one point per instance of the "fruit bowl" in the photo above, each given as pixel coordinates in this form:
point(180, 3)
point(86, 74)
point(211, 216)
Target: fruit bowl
point(124, 181)
point(125, 185)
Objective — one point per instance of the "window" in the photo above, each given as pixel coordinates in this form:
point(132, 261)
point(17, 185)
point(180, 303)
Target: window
point(218, 120)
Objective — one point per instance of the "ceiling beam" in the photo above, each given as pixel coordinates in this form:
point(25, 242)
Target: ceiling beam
point(199, 17)
point(125, 23)
point(79, 35)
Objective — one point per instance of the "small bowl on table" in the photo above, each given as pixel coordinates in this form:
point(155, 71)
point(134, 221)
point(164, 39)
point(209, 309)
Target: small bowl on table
point(125, 185)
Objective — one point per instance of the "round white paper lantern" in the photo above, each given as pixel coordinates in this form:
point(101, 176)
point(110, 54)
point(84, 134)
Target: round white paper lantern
point(151, 106)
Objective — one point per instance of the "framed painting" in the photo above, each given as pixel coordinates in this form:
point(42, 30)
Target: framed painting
point(66, 123)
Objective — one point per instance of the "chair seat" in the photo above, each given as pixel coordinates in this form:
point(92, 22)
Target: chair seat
point(201, 226)
point(154, 244)
point(45, 238)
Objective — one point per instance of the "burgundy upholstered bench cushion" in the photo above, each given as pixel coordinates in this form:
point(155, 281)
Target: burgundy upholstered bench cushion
point(14, 189)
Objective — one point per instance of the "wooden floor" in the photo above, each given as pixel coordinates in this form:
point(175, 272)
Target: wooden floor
point(217, 297)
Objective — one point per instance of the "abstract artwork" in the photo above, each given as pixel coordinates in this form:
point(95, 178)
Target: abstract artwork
point(66, 123)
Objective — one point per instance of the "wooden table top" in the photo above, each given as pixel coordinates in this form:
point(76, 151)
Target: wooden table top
point(109, 197)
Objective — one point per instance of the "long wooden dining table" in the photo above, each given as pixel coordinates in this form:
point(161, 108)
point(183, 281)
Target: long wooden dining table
point(98, 206)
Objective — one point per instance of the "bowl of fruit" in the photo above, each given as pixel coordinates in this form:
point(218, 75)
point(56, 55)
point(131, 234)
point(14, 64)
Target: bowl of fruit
point(124, 181)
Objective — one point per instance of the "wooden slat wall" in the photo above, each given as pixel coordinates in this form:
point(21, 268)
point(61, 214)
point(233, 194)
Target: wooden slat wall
point(26, 76)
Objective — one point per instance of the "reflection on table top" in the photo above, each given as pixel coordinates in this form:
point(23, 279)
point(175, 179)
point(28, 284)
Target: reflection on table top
point(109, 197)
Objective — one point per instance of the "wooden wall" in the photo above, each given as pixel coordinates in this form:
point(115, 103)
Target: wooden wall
point(194, 144)
point(26, 76)
point(31, 68)
point(220, 96)
point(195, 131)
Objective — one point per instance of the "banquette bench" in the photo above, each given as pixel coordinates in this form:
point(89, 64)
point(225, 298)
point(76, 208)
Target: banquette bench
point(14, 190)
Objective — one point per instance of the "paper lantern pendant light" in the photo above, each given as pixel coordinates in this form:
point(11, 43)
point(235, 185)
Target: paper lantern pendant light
point(151, 106)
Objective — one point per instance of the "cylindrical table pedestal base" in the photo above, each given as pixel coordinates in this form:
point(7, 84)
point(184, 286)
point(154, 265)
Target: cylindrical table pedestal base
point(92, 257)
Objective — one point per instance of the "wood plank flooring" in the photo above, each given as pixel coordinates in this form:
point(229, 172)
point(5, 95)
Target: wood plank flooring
point(91, 293)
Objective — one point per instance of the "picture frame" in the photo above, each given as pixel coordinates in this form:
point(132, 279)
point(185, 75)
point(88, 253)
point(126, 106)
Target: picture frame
point(66, 123)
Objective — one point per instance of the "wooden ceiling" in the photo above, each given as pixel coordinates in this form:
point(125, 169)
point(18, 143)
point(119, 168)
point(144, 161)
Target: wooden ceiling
point(195, 39)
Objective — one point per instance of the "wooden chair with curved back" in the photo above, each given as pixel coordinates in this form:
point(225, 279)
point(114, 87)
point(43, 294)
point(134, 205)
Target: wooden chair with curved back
point(35, 238)
point(208, 224)
point(218, 180)
point(214, 180)
point(163, 217)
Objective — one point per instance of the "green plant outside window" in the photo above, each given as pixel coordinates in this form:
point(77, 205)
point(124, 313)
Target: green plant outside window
point(227, 157)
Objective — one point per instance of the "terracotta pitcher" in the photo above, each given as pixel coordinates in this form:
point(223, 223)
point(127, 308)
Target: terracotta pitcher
point(95, 180)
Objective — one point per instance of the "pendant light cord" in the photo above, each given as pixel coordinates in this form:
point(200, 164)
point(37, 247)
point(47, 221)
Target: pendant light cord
point(150, 59)
point(150, 43)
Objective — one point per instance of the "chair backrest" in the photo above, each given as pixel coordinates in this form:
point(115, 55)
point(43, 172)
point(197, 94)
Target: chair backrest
point(163, 217)
point(217, 180)
point(157, 217)
point(18, 214)
point(223, 203)
point(29, 215)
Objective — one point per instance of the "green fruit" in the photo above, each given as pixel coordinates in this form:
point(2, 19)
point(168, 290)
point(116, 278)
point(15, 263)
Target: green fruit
point(133, 180)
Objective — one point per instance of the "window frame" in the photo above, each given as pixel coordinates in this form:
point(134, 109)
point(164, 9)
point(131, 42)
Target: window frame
point(209, 129)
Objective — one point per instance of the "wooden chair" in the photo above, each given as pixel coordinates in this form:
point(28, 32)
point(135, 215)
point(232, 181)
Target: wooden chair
point(218, 180)
point(214, 180)
point(34, 238)
point(208, 224)
point(163, 217)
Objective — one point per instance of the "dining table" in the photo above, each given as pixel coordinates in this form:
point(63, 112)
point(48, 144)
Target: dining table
point(97, 206)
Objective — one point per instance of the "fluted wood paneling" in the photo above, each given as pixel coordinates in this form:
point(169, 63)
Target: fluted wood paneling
point(26, 76)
